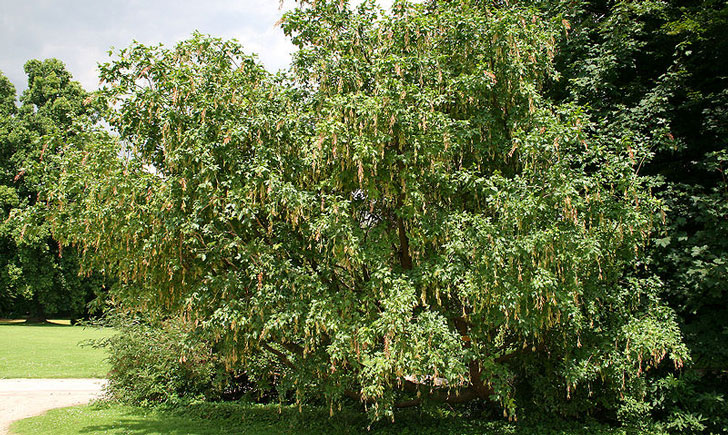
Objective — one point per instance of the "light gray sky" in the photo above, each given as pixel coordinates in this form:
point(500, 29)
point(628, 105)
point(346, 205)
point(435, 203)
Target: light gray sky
point(80, 32)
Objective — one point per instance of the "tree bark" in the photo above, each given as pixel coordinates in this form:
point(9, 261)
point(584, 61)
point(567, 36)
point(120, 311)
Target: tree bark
point(37, 313)
point(405, 258)
point(280, 355)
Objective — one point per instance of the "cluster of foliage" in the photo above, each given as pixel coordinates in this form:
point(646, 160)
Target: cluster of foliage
point(653, 75)
point(37, 277)
point(401, 218)
point(163, 362)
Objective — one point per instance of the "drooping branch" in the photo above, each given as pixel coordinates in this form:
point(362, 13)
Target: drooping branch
point(280, 355)
point(404, 250)
point(293, 348)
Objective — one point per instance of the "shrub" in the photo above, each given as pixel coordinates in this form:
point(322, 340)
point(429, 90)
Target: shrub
point(691, 402)
point(164, 362)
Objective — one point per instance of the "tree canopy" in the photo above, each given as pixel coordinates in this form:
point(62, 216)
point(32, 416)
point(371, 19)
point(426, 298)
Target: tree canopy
point(400, 218)
point(36, 277)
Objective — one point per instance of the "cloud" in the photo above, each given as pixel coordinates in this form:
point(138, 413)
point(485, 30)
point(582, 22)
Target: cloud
point(80, 32)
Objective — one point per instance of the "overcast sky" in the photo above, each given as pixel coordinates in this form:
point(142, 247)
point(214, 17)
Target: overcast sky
point(80, 32)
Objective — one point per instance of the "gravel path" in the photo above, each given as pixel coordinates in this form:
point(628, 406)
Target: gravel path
point(23, 398)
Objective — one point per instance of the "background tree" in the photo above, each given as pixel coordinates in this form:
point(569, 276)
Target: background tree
point(37, 277)
point(653, 74)
point(9, 271)
point(401, 218)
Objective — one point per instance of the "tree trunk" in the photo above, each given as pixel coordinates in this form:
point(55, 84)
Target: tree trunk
point(36, 313)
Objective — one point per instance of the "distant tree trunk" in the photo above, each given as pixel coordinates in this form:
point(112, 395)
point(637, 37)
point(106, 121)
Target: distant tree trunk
point(35, 319)
point(36, 313)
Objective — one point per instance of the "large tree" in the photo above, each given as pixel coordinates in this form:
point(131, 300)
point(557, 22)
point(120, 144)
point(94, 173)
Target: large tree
point(400, 218)
point(36, 276)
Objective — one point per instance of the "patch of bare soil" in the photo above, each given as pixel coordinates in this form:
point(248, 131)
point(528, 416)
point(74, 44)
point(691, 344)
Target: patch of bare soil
point(23, 398)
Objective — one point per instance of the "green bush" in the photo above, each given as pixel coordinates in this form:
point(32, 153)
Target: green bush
point(690, 402)
point(164, 363)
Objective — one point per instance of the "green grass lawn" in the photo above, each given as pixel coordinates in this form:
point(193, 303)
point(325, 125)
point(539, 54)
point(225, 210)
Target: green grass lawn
point(119, 419)
point(50, 351)
point(232, 418)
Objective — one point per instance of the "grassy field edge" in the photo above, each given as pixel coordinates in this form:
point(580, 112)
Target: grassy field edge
point(51, 351)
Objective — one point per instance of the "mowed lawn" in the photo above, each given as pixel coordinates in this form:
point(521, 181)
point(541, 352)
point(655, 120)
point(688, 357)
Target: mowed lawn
point(241, 418)
point(109, 418)
point(50, 351)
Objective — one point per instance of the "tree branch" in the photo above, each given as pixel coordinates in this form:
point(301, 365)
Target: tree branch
point(281, 356)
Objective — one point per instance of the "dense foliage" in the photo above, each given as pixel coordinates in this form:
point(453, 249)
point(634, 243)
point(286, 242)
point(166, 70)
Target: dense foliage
point(37, 277)
point(401, 218)
point(653, 74)
point(164, 363)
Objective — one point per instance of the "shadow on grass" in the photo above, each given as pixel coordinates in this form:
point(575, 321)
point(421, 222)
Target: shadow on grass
point(239, 418)
point(217, 418)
